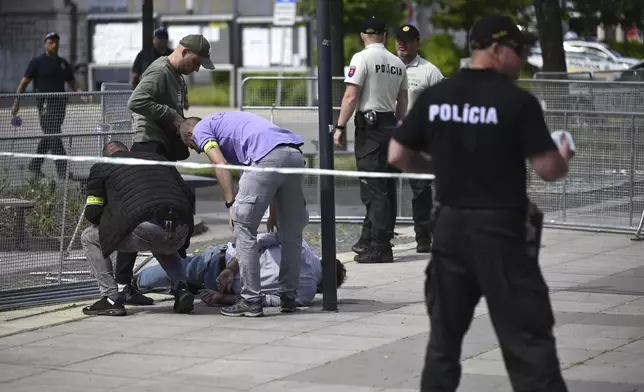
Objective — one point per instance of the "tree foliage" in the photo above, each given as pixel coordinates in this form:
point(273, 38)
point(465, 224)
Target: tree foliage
point(628, 13)
point(463, 14)
point(392, 12)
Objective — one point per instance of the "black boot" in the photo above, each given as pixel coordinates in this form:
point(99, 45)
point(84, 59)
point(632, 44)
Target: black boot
point(423, 245)
point(376, 255)
point(360, 247)
point(132, 296)
point(184, 300)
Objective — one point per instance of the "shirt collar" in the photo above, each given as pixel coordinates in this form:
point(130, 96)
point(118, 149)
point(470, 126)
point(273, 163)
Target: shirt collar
point(376, 45)
point(415, 62)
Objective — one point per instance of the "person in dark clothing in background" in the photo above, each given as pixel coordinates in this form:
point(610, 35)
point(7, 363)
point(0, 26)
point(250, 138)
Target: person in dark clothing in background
point(134, 209)
point(49, 72)
point(160, 43)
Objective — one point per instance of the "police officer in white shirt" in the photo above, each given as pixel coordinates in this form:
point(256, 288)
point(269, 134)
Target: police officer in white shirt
point(376, 86)
point(421, 74)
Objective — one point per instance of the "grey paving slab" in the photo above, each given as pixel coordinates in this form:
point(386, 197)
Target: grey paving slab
point(138, 366)
point(48, 356)
point(610, 319)
point(68, 380)
point(9, 372)
point(376, 342)
point(234, 374)
point(165, 385)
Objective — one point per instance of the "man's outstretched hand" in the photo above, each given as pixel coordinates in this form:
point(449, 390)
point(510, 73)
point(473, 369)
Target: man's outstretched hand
point(211, 297)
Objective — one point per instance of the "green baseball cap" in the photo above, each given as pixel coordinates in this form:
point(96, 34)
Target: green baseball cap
point(198, 44)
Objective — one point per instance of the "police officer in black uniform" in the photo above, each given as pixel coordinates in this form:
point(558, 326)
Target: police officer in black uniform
point(49, 72)
point(376, 88)
point(479, 127)
point(160, 43)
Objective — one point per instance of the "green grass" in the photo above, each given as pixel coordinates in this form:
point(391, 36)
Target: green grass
point(347, 162)
point(209, 95)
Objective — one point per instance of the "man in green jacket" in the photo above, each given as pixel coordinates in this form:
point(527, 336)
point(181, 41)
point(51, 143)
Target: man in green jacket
point(158, 101)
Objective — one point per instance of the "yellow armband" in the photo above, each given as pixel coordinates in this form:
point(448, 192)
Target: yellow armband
point(209, 145)
point(94, 201)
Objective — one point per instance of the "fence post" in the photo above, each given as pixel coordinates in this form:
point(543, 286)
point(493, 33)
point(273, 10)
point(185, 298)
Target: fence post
point(399, 191)
point(63, 218)
point(272, 111)
point(564, 196)
point(631, 206)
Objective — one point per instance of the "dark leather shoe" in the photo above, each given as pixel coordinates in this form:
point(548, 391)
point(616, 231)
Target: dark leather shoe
point(375, 256)
point(360, 247)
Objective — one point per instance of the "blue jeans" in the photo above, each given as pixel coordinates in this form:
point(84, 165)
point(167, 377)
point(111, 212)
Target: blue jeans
point(199, 269)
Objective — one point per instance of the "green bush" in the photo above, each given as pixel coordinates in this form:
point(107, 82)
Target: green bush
point(209, 95)
point(45, 219)
point(440, 50)
point(629, 49)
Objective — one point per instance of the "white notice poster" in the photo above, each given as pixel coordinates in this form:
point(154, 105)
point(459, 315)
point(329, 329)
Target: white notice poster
point(255, 47)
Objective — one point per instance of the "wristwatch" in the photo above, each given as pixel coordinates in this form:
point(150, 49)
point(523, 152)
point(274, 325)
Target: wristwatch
point(228, 205)
point(340, 127)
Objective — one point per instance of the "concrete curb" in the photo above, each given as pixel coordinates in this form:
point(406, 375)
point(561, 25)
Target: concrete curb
point(25, 320)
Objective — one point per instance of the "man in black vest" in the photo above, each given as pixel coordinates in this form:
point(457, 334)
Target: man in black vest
point(136, 208)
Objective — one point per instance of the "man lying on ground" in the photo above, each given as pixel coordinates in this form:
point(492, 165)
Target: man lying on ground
point(216, 272)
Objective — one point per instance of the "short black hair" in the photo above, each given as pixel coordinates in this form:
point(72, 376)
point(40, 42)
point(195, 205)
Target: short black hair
point(193, 120)
point(340, 275)
point(112, 146)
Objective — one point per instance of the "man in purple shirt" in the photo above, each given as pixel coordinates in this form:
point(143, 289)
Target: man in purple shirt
point(242, 138)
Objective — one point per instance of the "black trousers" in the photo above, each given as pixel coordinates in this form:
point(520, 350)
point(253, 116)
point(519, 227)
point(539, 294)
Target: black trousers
point(485, 253)
point(51, 112)
point(379, 195)
point(421, 205)
point(125, 261)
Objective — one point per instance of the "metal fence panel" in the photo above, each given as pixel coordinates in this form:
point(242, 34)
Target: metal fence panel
point(603, 186)
point(41, 210)
point(38, 218)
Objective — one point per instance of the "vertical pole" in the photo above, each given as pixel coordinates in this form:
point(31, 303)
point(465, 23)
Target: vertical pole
point(147, 17)
point(327, 191)
point(63, 221)
point(564, 196)
point(631, 204)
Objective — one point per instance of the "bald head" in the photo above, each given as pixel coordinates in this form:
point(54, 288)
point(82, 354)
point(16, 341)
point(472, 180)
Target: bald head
point(112, 147)
point(185, 130)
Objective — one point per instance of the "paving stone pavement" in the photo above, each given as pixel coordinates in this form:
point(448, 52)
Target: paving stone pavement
point(375, 342)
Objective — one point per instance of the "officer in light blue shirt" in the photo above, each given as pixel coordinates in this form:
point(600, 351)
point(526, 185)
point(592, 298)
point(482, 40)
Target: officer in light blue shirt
point(216, 270)
point(248, 139)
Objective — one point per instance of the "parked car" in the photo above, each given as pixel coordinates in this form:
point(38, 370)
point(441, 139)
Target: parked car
point(578, 60)
point(600, 49)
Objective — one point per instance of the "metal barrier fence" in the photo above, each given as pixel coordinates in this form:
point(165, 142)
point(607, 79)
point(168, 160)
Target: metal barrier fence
point(626, 75)
point(605, 185)
point(42, 202)
point(40, 218)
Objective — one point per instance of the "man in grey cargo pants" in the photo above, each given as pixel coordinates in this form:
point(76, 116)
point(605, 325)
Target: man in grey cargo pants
point(244, 138)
